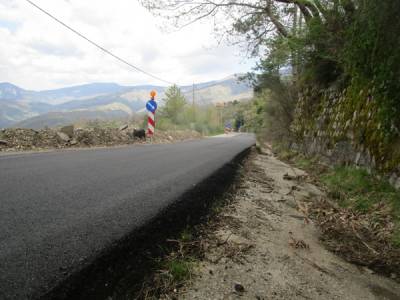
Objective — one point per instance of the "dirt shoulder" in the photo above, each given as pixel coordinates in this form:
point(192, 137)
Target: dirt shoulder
point(264, 246)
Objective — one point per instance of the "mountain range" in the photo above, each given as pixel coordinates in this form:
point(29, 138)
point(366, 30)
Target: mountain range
point(105, 101)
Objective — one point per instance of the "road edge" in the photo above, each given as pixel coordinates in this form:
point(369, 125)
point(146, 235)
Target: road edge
point(103, 270)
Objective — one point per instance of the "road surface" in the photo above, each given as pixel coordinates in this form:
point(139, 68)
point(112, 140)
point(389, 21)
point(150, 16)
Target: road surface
point(61, 208)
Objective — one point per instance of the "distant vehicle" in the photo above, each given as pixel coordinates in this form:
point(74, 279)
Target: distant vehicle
point(228, 127)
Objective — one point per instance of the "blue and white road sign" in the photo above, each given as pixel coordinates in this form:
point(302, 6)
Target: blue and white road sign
point(151, 106)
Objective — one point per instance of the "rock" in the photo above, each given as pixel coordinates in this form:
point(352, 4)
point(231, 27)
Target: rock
point(64, 137)
point(68, 130)
point(288, 177)
point(3, 143)
point(74, 142)
point(357, 160)
point(139, 133)
point(170, 138)
point(239, 288)
point(123, 127)
point(397, 184)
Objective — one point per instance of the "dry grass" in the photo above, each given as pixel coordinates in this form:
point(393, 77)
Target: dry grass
point(359, 218)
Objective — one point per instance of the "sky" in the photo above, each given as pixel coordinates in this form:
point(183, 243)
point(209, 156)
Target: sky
point(37, 53)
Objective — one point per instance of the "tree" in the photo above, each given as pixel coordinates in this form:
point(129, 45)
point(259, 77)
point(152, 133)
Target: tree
point(307, 34)
point(254, 21)
point(174, 105)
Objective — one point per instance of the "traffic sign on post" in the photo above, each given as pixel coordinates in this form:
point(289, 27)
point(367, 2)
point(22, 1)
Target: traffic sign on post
point(151, 107)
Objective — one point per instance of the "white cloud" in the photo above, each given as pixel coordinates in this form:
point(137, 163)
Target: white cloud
point(37, 53)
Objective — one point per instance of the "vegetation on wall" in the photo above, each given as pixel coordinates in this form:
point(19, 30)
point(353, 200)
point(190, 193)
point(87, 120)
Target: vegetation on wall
point(345, 68)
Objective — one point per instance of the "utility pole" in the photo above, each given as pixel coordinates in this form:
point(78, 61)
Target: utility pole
point(219, 107)
point(193, 95)
point(193, 104)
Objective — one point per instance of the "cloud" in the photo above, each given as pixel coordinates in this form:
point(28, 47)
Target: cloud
point(37, 53)
point(12, 26)
point(48, 48)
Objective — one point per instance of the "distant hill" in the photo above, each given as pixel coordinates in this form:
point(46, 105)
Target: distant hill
point(9, 91)
point(36, 109)
point(54, 119)
point(15, 106)
point(224, 90)
point(12, 112)
point(135, 104)
point(78, 92)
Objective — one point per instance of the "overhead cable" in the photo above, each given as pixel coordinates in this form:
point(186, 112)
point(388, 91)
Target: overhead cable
point(98, 46)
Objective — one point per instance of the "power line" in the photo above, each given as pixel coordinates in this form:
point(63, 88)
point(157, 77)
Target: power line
point(97, 45)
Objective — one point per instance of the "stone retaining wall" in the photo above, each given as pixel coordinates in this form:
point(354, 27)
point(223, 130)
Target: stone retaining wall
point(344, 128)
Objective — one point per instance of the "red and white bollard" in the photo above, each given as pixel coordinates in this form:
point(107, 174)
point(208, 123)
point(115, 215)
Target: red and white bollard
point(151, 123)
point(151, 107)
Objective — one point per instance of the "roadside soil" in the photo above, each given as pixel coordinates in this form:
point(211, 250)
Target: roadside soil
point(264, 246)
point(19, 139)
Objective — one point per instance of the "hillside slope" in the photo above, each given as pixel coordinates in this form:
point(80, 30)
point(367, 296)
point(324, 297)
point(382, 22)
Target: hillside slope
point(23, 108)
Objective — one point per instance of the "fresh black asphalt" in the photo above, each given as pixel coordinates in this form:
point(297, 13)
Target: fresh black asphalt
point(59, 209)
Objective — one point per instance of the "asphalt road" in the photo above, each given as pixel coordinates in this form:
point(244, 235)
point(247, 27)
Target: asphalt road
point(61, 208)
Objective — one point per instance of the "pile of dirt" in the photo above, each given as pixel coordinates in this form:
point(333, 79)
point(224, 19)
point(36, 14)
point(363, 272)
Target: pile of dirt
point(361, 238)
point(19, 139)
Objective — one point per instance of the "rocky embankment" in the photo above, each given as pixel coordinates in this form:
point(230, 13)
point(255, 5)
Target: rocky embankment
point(19, 139)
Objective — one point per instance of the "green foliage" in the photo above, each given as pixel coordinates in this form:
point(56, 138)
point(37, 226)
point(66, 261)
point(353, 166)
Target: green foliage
point(176, 114)
point(372, 59)
point(179, 269)
point(257, 114)
point(186, 235)
point(274, 104)
point(278, 54)
point(174, 105)
point(350, 49)
point(359, 189)
point(323, 40)
point(303, 162)
point(283, 152)
point(396, 237)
